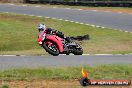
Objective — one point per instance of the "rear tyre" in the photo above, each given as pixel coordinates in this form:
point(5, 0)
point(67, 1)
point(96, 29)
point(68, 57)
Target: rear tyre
point(52, 49)
point(67, 53)
point(78, 51)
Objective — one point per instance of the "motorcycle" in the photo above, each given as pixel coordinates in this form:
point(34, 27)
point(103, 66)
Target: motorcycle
point(55, 45)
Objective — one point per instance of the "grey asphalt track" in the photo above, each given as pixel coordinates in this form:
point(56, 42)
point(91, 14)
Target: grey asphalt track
point(7, 62)
point(106, 19)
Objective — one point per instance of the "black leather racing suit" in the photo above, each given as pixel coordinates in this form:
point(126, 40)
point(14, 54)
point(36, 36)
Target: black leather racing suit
point(58, 33)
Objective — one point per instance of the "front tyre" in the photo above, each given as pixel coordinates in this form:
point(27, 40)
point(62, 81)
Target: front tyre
point(51, 48)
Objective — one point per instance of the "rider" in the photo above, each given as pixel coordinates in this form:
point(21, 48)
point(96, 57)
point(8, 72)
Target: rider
point(42, 27)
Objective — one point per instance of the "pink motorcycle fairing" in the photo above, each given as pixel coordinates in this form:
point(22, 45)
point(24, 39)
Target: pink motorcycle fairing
point(57, 40)
point(53, 38)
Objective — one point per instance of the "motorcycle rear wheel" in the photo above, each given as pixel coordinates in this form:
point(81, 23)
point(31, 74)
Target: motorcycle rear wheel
point(78, 51)
point(51, 51)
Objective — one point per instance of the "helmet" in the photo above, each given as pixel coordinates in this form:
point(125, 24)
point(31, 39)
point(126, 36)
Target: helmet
point(41, 27)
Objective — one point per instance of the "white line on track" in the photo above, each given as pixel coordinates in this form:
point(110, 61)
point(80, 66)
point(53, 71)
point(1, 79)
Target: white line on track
point(120, 12)
point(47, 17)
point(60, 19)
point(66, 20)
point(81, 23)
point(6, 12)
point(87, 24)
point(68, 8)
point(54, 18)
point(102, 54)
point(37, 6)
point(126, 31)
point(11, 4)
point(72, 21)
point(120, 30)
point(97, 26)
point(39, 16)
point(77, 22)
point(24, 14)
point(107, 11)
point(24, 5)
point(78, 9)
point(55, 7)
point(73, 54)
point(102, 27)
point(31, 15)
point(93, 25)
point(94, 10)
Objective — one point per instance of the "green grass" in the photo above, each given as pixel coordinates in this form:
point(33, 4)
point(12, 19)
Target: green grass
point(19, 33)
point(95, 72)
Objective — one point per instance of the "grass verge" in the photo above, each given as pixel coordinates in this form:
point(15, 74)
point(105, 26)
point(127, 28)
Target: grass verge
point(95, 72)
point(19, 33)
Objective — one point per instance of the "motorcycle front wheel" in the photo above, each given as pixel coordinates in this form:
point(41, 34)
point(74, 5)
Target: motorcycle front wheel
point(51, 48)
